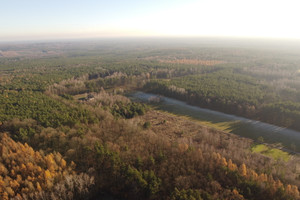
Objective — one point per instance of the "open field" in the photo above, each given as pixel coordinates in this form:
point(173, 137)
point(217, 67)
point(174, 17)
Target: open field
point(272, 152)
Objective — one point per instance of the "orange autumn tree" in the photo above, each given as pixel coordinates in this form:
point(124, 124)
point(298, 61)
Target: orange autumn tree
point(27, 173)
point(262, 179)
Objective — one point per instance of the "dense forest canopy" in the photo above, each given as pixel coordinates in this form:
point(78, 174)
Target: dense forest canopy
point(68, 131)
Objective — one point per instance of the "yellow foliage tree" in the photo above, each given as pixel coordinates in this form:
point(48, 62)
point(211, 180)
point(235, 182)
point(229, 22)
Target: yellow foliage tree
point(223, 161)
point(243, 170)
point(30, 171)
point(63, 163)
point(231, 165)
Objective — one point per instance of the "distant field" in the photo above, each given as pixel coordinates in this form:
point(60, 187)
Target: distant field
point(192, 62)
point(8, 53)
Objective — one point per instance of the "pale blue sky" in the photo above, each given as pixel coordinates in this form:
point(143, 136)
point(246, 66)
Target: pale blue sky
point(50, 19)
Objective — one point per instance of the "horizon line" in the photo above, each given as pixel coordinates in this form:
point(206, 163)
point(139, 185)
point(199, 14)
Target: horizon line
point(60, 39)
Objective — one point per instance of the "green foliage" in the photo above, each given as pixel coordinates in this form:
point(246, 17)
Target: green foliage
point(42, 108)
point(221, 86)
point(67, 96)
point(147, 125)
point(128, 110)
point(220, 89)
point(117, 174)
point(287, 114)
point(186, 195)
point(153, 183)
point(271, 152)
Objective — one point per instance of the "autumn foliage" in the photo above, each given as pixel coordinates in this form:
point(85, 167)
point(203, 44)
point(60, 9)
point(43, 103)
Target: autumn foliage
point(25, 173)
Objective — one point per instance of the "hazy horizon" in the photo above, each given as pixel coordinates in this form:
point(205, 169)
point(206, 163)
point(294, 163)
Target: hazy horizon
point(51, 20)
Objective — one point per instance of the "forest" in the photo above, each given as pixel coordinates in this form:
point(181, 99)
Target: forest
point(69, 131)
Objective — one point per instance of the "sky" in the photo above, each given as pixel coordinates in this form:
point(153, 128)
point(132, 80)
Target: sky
point(58, 19)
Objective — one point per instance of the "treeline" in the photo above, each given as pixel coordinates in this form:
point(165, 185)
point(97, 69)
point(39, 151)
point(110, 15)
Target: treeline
point(286, 114)
point(231, 93)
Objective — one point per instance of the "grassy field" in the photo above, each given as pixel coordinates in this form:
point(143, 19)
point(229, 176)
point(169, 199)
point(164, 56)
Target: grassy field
point(271, 152)
point(226, 127)
point(223, 126)
point(259, 148)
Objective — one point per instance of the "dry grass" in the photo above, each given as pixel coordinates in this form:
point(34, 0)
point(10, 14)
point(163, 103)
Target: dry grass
point(9, 54)
point(174, 126)
point(28, 53)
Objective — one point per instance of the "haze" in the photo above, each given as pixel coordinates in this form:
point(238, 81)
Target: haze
point(41, 19)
